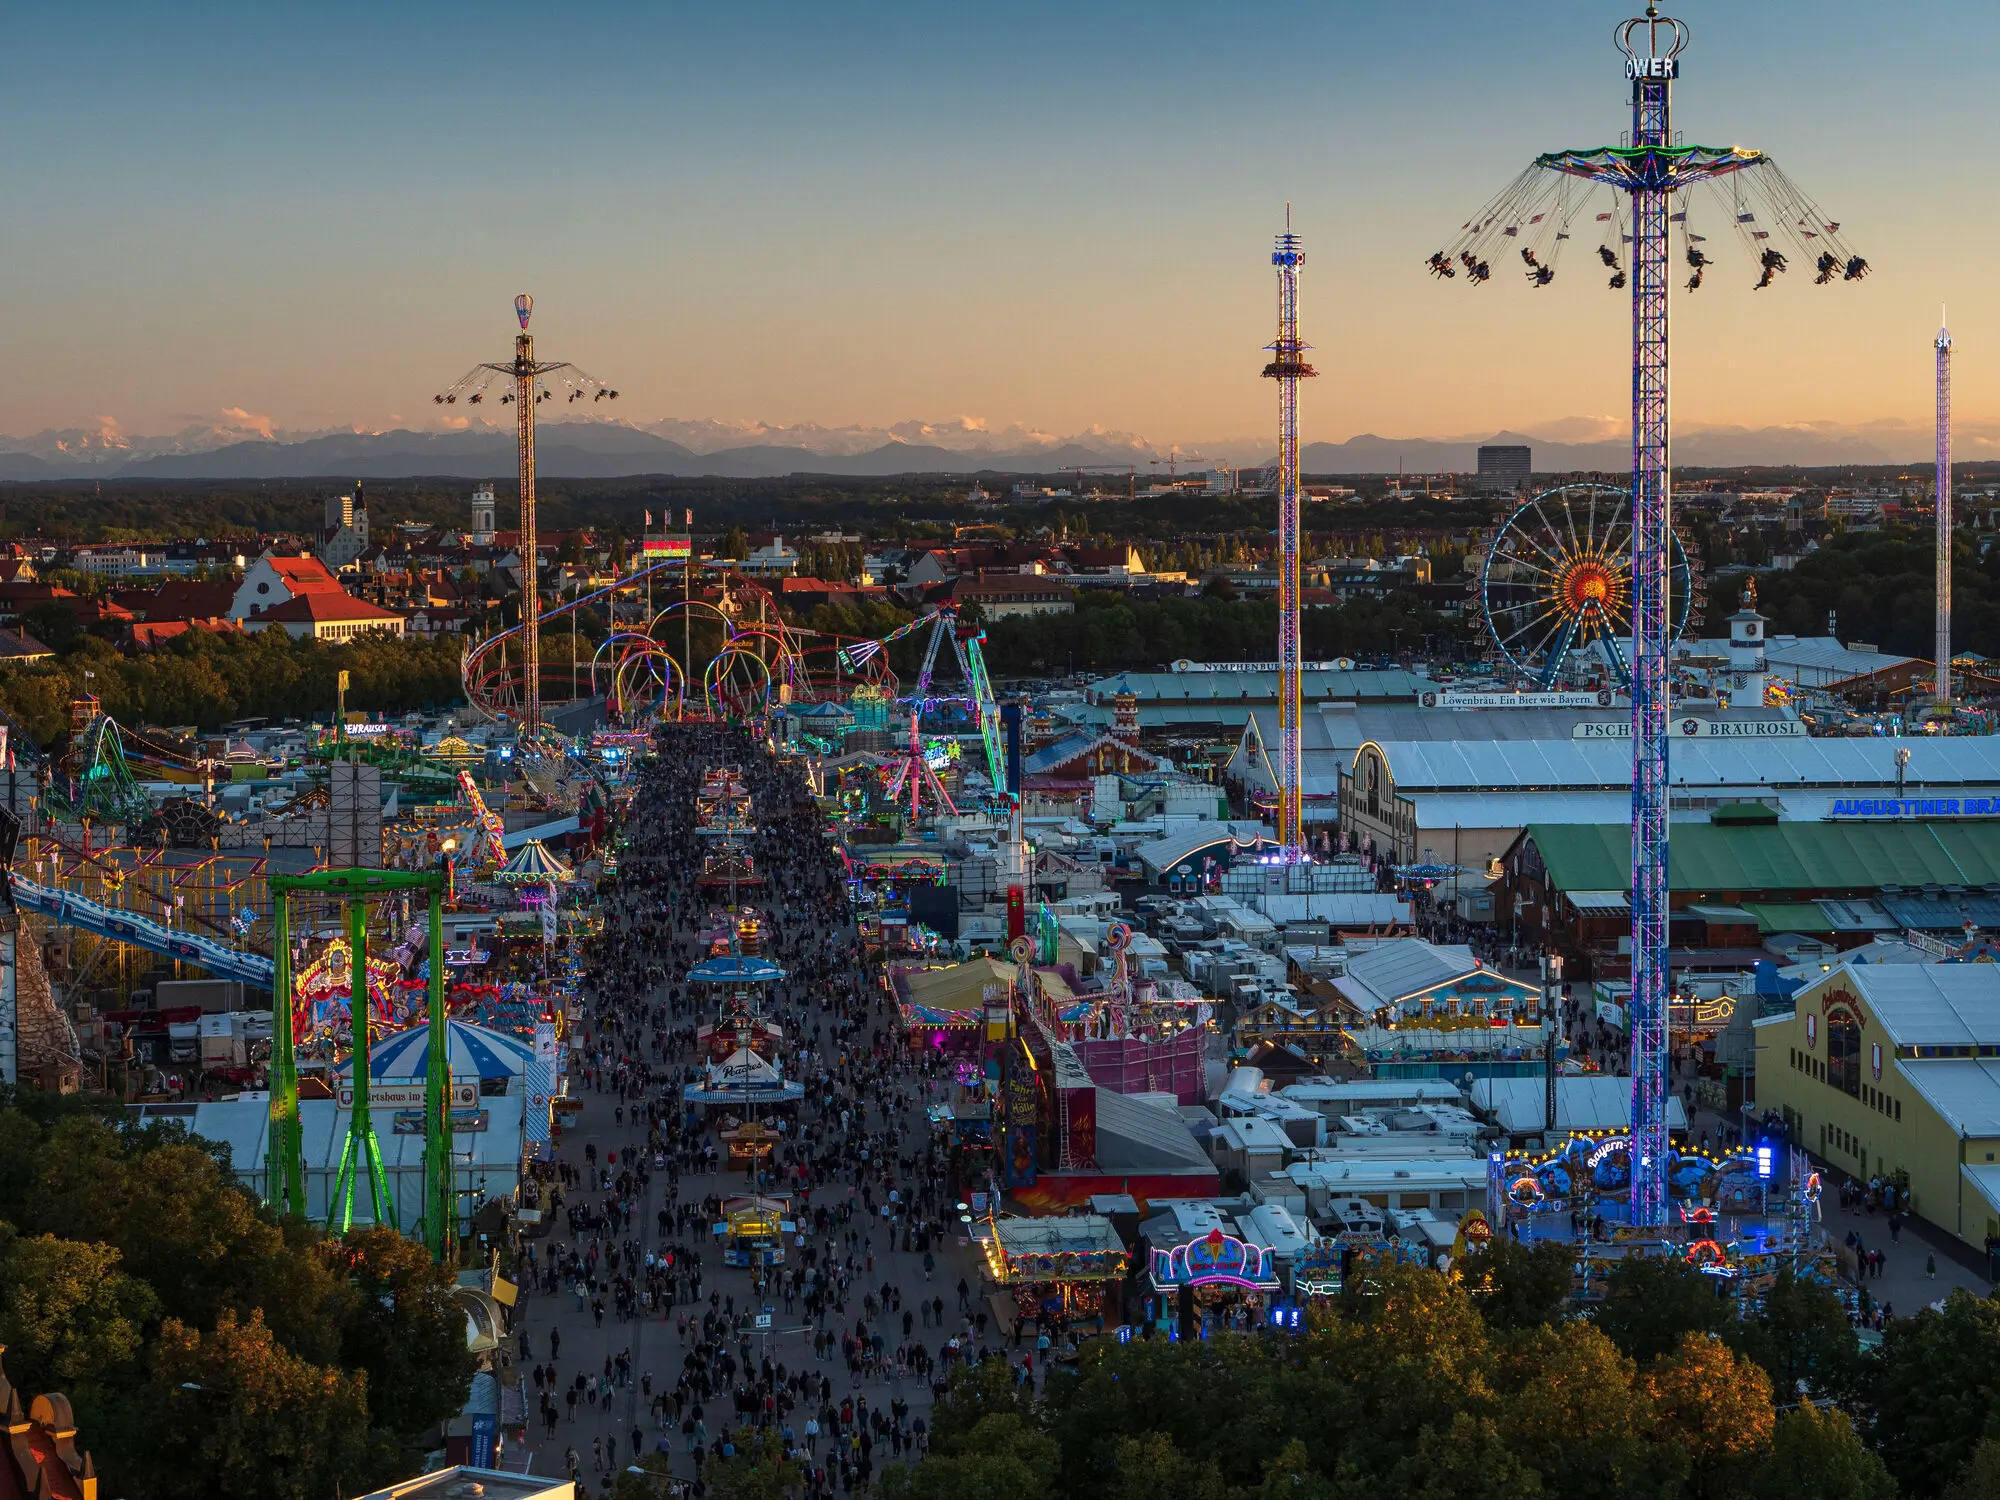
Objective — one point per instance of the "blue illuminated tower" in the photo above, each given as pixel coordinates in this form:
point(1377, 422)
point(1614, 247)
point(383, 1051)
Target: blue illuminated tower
point(1537, 215)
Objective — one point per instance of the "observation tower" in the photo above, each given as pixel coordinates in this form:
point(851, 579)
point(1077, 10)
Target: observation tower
point(1943, 513)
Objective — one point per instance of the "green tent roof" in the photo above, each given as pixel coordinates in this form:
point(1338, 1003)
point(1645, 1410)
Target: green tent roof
point(1826, 857)
point(1805, 917)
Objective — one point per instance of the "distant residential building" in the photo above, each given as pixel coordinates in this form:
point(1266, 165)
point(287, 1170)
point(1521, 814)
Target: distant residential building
point(119, 562)
point(1002, 594)
point(773, 559)
point(17, 646)
point(271, 581)
point(1117, 564)
point(334, 616)
point(1504, 466)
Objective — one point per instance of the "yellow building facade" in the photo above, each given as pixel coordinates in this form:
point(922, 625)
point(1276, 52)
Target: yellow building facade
point(1887, 1069)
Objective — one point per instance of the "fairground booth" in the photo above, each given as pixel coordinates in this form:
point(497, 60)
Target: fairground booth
point(944, 1009)
point(1200, 1274)
point(1054, 1272)
point(753, 1229)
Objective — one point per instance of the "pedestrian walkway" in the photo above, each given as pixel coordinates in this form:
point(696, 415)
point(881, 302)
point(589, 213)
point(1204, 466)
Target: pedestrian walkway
point(839, 1356)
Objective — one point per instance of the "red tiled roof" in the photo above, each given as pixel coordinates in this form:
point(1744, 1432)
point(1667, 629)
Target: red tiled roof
point(319, 607)
point(305, 575)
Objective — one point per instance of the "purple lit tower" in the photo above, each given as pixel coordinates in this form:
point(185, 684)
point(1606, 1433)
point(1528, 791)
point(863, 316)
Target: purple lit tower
point(1943, 514)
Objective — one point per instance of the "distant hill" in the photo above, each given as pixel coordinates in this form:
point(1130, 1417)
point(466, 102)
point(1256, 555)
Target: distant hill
point(564, 451)
point(613, 450)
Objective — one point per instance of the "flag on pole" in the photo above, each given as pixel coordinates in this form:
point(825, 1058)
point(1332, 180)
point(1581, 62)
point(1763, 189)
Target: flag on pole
point(649, 520)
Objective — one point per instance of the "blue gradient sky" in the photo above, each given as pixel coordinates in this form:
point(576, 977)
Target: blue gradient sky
point(1050, 214)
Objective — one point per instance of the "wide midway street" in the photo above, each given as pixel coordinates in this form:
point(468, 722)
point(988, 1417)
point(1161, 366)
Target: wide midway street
point(838, 1353)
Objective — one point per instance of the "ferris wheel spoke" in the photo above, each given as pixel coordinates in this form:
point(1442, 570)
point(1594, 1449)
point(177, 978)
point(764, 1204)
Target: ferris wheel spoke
point(1552, 552)
point(1569, 523)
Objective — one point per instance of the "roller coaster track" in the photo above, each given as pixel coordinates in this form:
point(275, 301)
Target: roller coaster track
point(110, 922)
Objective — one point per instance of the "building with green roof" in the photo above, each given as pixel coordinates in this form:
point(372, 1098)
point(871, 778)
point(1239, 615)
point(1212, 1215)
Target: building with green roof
point(1566, 885)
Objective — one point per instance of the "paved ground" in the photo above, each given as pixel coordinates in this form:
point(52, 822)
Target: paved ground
point(1907, 1282)
point(655, 1347)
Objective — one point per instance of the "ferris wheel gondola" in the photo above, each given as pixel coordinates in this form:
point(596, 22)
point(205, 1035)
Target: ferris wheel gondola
point(1556, 582)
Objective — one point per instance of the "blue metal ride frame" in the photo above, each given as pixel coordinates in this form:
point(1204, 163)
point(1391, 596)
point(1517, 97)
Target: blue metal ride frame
point(1651, 168)
point(1652, 544)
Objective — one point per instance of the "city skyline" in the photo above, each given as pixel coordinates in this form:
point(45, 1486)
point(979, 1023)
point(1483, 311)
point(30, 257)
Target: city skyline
point(1051, 221)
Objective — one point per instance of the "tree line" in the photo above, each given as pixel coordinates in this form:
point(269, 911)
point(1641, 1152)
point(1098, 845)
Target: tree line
point(207, 1348)
point(1878, 587)
point(209, 679)
point(1441, 1388)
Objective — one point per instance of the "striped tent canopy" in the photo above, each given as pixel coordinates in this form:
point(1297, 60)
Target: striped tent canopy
point(532, 864)
point(474, 1051)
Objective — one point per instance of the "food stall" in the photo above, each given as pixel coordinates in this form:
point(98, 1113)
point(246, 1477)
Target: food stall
point(1064, 1270)
point(753, 1230)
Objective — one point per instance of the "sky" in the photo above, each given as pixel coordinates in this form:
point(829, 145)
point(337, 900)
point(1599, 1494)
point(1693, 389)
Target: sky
point(1056, 215)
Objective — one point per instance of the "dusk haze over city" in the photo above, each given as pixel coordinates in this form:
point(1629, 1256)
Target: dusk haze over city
point(1090, 752)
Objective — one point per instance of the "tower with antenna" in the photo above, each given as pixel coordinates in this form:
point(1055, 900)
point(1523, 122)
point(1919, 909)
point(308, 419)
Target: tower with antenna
point(1654, 183)
point(1943, 511)
point(1288, 367)
point(526, 382)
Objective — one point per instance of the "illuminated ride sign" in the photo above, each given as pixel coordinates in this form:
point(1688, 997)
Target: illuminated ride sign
point(1216, 1257)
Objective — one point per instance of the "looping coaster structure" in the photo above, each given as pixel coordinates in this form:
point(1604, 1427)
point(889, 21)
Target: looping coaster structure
point(1651, 193)
point(639, 667)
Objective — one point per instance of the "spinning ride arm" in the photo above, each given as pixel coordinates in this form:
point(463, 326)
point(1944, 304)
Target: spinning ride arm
point(989, 711)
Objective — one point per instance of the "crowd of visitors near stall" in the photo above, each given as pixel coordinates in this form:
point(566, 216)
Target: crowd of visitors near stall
point(836, 1353)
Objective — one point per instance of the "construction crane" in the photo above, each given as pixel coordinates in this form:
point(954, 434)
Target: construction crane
point(1173, 461)
point(1130, 472)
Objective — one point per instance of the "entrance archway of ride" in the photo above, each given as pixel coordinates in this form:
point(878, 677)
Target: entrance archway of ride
point(1558, 579)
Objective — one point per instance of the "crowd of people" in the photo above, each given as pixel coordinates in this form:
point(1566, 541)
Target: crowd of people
point(833, 1355)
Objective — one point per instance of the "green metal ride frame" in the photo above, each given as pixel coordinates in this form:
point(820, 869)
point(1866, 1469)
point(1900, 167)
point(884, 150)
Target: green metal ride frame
point(361, 1155)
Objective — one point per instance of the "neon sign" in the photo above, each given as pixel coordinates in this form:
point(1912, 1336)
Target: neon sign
point(1217, 1257)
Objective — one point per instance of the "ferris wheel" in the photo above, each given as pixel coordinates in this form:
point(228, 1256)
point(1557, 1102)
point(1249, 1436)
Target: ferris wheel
point(1557, 581)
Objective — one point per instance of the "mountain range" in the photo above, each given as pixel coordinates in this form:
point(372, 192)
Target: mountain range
point(243, 447)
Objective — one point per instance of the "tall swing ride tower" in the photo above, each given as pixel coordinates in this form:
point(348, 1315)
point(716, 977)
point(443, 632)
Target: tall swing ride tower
point(1651, 184)
point(1943, 514)
point(1288, 367)
point(526, 382)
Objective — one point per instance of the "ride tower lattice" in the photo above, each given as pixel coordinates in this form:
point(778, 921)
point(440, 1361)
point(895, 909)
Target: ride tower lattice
point(530, 385)
point(1943, 647)
point(1288, 367)
point(1655, 177)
